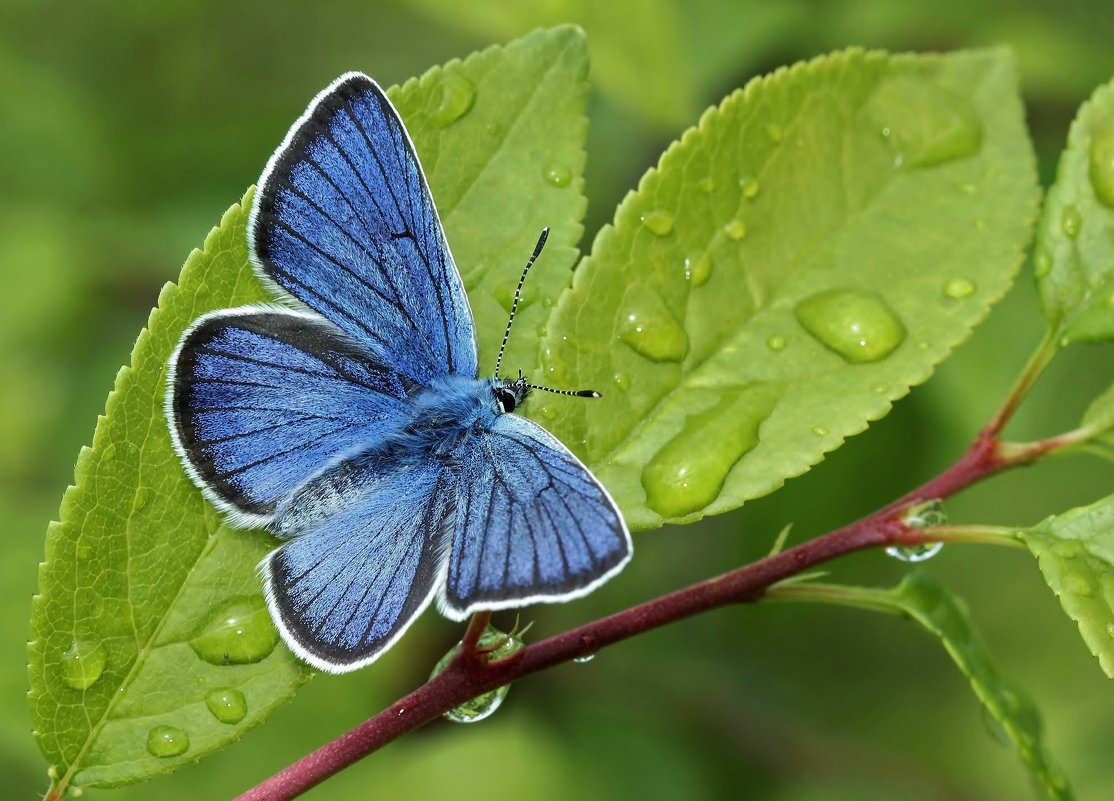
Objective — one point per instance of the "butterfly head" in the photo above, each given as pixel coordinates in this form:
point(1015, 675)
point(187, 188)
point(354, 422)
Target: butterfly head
point(510, 393)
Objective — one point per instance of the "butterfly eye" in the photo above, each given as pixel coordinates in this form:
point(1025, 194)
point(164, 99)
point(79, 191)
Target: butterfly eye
point(505, 398)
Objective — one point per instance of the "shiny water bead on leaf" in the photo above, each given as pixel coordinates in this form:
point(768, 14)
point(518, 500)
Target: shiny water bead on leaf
point(227, 704)
point(648, 327)
point(1071, 221)
point(924, 123)
point(958, 288)
point(167, 741)
point(688, 472)
point(82, 664)
point(698, 268)
point(239, 632)
point(1102, 168)
point(557, 174)
point(735, 230)
point(658, 223)
point(776, 343)
point(457, 96)
point(856, 324)
point(496, 645)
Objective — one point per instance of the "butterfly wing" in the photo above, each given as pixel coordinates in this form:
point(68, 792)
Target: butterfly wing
point(344, 222)
point(367, 558)
point(260, 399)
point(532, 524)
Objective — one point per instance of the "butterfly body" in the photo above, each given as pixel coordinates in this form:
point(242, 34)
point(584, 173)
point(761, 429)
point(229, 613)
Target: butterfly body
point(351, 422)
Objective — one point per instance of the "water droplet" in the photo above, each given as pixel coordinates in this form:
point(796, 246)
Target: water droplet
point(548, 412)
point(582, 660)
point(735, 230)
point(698, 268)
point(622, 381)
point(504, 296)
point(820, 431)
point(142, 498)
point(688, 472)
point(82, 664)
point(1071, 221)
point(659, 222)
point(914, 553)
point(228, 705)
point(76, 792)
point(457, 95)
point(1102, 168)
point(557, 174)
point(1042, 263)
point(957, 288)
point(167, 741)
point(1077, 585)
point(856, 324)
point(706, 184)
point(749, 185)
point(497, 645)
point(924, 123)
point(237, 633)
point(776, 343)
point(648, 327)
point(492, 129)
point(774, 132)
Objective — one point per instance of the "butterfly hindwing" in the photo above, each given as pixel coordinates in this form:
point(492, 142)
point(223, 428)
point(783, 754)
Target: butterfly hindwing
point(367, 558)
point(260, 399)
point(344, 222)
point(532, 523)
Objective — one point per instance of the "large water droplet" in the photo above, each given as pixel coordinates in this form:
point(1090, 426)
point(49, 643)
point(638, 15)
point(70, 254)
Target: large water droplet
point(735, 230)
point(227, 704)
point(82, 664)
point(237, 633)
point(749, 186)
point(957, 288)
point(921, 515)
point(497, 645)
point(1042, 263)
point(167, 741)
point(1102, 168)
point(659, 222)
point(556, 174)
point(698, 268)
point(1071, 221)
point(924, 123)
point(856, 324)
point(457, 95)
point(688, 472)
point(648, 327)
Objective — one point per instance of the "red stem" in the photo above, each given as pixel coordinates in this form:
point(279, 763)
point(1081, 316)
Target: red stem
point(465, 677)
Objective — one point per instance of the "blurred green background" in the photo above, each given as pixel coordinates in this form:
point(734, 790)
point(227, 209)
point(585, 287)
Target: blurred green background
point(127, 129)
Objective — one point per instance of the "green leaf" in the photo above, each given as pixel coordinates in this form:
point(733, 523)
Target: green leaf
point(134, 663)
point(1075, 552)
point(922, 599)
point(1075, 252)
point(717, 313)
point(1098, 421)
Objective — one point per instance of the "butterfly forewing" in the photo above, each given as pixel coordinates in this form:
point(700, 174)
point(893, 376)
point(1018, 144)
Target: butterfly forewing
point(344, 222)
point(532, 523)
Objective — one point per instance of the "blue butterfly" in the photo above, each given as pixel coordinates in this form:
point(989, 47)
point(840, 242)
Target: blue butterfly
point(351, 421)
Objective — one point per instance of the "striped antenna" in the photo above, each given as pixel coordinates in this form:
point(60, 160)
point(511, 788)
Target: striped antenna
point(518, 293)
point(576, 393)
